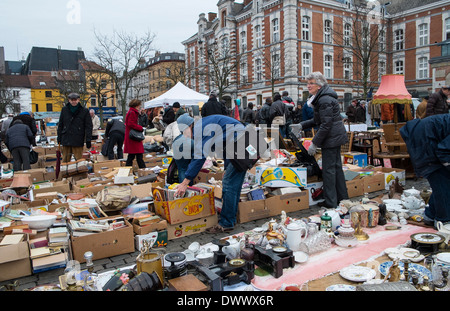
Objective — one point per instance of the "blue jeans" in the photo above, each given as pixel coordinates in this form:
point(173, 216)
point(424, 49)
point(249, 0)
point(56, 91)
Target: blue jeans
point(439, 204)
point(231, 191)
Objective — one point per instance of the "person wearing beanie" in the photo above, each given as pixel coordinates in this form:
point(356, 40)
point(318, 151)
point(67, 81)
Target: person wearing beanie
point(183, 146)
point(178, 110)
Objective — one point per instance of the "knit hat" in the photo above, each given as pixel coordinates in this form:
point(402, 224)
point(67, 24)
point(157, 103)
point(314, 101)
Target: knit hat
point(184, 121)
point(176, 105)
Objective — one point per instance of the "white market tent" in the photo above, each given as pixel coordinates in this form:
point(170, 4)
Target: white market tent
point(179, 93)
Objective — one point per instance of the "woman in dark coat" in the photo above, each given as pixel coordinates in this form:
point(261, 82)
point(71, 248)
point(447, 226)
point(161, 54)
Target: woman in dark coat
point(19, 139)
point(331, 135)
point(135, 149)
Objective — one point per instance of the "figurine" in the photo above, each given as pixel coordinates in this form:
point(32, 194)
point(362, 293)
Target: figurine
point(382, 214)
point(393, 275)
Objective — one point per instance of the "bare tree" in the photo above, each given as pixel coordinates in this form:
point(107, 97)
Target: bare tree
point(271, 58)
point(222, 67)
point(70, 82)
point(7, 98)
point(120, 55)
point(176, 72)
point(361, 37)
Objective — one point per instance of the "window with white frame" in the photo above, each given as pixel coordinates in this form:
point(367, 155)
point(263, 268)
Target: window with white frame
point(306, 63)
point(347, 34)
point(305, 27)
point(347, 68)
point(258, 69)
point(244, 73)
point(423, 67)
point(398, 39)
point(243, 41)
point(275, 30)
point(328, 61)
point(258, 36)
point(327, 28)
point(276, 65)
point(447, 29)
point(398, 67)
point(423, 34)
point(381, 69)
point(382, 40)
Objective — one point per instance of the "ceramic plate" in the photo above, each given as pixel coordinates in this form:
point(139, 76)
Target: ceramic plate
point(341, 288)
point(444, 257)
point(357, 273)
point(420, 270)
point(405, 253)
point(300, 257)
point(392, 201)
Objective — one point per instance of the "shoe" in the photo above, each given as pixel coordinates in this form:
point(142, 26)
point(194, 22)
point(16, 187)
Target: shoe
point(218, 229)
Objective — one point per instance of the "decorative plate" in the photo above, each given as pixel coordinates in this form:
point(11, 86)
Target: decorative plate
point(341, 288)
point(405, 253)
point(420, 270)
point(300, 257)
point(358, 273)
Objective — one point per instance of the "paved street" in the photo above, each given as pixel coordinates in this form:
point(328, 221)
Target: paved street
point(177, 245)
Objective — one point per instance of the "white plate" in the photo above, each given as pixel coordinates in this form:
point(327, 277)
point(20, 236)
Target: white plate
point(341, 288)
point(358, 273)
point(346, 243)
point(405, 253)
point(300, 257)
point(392, 201)
point(444, 257)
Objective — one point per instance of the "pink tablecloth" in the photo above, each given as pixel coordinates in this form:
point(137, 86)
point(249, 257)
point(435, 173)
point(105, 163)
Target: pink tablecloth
point(336, 258)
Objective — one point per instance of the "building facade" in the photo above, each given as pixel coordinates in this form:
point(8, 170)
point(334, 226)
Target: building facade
point(272, 45)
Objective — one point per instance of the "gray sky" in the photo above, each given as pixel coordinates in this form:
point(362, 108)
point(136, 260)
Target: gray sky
point(71, 23)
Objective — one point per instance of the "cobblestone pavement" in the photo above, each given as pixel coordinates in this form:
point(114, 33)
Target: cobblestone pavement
point(177, 245)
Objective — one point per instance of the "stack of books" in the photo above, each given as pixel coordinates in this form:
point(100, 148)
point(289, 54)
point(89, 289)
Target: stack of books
point(168, 193)
point(46, 255)
point(58, 236)
point(85, 226)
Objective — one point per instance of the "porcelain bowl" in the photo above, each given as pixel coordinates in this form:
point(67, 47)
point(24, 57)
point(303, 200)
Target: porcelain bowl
point(41, 222)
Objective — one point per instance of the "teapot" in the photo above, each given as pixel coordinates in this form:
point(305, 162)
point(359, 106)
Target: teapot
point(411, 202)
point(444, 230)
point(412, 193)
point(233, 250)
point(294, 233)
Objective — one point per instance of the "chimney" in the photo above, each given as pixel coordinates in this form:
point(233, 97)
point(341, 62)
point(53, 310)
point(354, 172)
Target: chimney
point(211, 16)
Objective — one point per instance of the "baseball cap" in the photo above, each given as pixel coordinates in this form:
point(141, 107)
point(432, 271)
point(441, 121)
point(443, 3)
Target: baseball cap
point(184, 121)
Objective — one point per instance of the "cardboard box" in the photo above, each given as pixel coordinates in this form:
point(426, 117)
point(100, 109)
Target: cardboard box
point(204, 177)
point(156, 239)
point(110, 164)
point(279, 177)
point(290, 202)
point(373, 183)
point(186, 209)
point(36, 174)
point(355, 188)
point(15, 261)
point(104, 244)
point(58, 186)
point(191, 227)
point(390, 174)
point(355, 158)
point(142, 230)
point(145, 190)
point(252, 210)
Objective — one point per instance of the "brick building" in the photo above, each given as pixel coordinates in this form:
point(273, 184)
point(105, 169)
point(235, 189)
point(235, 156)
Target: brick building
point(271, 45)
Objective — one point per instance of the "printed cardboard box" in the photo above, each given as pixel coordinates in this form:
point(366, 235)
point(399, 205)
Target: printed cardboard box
point(156, 239)
point(390, 174)
point(311, 188)
point(279, 177)
point(188, 228)
point(355, 158)
point(186, 209)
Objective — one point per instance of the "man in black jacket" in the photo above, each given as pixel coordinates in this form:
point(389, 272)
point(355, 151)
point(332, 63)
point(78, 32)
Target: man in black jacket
point(74, 128)
point(330, 136)
point(213, 106)
point(248, 116)
point(437, 103)
point(115, 133)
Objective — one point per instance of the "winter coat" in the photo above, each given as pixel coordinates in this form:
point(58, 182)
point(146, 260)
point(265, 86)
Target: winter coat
point(428, 143)
point(277, 109)
point(169, 116)
point(180, 112)
point(74, 129)
point(307, 112)
point(327, 117)
point(249, 116)
point(421, 111)
point(437, 104)
point(265, 114)
point(213, 106)
point(95, 125)
point(360, 115)
point(387, 112)
point(131, 122)
point(18, 135)
point(351, 113)
point(27, 119)
point(115, 126)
